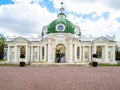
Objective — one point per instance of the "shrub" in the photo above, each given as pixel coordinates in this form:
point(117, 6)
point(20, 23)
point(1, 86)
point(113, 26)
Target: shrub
point(94, 55)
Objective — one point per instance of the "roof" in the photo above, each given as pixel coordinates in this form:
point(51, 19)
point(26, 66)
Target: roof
point(28, 39)
point(90, 38)
point(69, 27)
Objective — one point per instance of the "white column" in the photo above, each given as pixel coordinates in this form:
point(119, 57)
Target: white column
point(113, 53)
point(38, 54)
point(15, 55)
point(8, 54)
point(26, 54)
point(49, 51)
point(94, 49)
point(75, 53)
point(71, 52)
point(80, 53)
point(83, 56)
point(32, 53)
point(29, 53)
point(89, 54)
point(45, 49)
point(106, 53)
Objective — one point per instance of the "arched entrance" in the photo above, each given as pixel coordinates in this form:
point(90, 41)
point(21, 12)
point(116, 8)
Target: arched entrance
point(60, 53)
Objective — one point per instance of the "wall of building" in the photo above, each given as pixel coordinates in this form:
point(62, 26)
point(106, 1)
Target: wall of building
point(34, 52)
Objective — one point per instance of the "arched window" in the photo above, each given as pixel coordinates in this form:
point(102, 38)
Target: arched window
point(22, 52)
point(99, 52)
point(78, 52)
point(42, 52)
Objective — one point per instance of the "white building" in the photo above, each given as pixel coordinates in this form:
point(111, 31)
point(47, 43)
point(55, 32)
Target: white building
point(61, 41)
point(118, 44)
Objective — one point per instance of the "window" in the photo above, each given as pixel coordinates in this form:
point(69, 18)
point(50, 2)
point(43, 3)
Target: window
point(60, 27)
point(22, 52)
point(35, 55)
point(86, 55)
point(42, 52)
point(99, 52)
point(78, 52)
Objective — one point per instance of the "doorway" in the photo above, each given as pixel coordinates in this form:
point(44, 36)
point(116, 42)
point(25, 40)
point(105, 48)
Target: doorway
point(60, 53)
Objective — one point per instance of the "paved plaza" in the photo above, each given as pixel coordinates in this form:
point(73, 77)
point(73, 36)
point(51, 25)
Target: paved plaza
point(37, 77)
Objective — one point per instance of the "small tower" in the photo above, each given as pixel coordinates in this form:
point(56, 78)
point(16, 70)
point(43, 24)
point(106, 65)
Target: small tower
point(61, 14)
point(61, 9)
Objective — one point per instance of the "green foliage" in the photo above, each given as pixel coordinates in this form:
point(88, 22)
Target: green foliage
point(12, 64)
point(107, 64)
point(2, 60)
point(117, 53)
point(95, 56)
point(2, 44)
point(9, 64)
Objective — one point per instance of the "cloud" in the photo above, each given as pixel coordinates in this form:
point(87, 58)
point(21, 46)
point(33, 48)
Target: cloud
point(95, 17)
point(26, 1)
point(24, 18)
point(115, 4)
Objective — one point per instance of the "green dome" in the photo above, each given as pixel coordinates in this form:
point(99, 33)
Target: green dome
point(61, 25)
point(68, 26)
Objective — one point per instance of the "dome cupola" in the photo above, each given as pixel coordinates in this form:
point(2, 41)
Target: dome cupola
point(61, 24)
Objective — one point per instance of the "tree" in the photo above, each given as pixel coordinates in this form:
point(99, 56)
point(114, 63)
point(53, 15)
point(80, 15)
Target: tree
point(117, 53)
point(2, 44)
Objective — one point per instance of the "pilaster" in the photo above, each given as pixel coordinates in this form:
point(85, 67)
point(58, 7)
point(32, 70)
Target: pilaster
point(32, 53)
point(80, 53)
point(45, 49)
point(83, 56)
point(94, 49)
point(71, 52)
point(26, 54)
point(113, 53)
point(38, 53)
point(15, 55)
point(106, 53)
point(89, 54)
point(49, 51)
point(75, 53)
point(8, 54)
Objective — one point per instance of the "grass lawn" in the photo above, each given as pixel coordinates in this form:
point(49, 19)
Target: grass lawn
point(2, 60)
point(108, 64)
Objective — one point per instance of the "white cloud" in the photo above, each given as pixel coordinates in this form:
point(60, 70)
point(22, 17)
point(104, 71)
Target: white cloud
point(28, 17)
point(24, 19)
point(26, 1)
point(100, 26)
point(115, 4)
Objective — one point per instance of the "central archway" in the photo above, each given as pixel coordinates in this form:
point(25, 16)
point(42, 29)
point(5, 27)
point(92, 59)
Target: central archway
point(60, 53)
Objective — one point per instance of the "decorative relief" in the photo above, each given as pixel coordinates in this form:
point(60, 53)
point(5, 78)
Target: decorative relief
point(101, 40)
point(60, 39)
point(20, 40)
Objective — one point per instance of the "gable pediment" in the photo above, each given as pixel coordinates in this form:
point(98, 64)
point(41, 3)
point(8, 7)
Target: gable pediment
point(101, 39)
point(20, 40)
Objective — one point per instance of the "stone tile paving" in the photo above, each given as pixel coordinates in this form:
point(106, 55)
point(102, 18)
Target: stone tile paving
point(59, 78)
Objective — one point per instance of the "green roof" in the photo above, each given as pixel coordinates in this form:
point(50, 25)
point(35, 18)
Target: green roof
point(69, 27)
point(61, 25)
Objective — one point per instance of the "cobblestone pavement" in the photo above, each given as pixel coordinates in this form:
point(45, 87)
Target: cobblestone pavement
point(59, 78)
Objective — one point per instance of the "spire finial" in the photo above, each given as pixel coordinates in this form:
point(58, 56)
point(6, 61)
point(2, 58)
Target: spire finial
point(61, 3)
point(61, 9)
point(61, 14)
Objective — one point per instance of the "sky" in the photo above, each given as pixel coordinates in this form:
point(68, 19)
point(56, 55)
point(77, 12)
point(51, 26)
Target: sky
point(27, 17)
